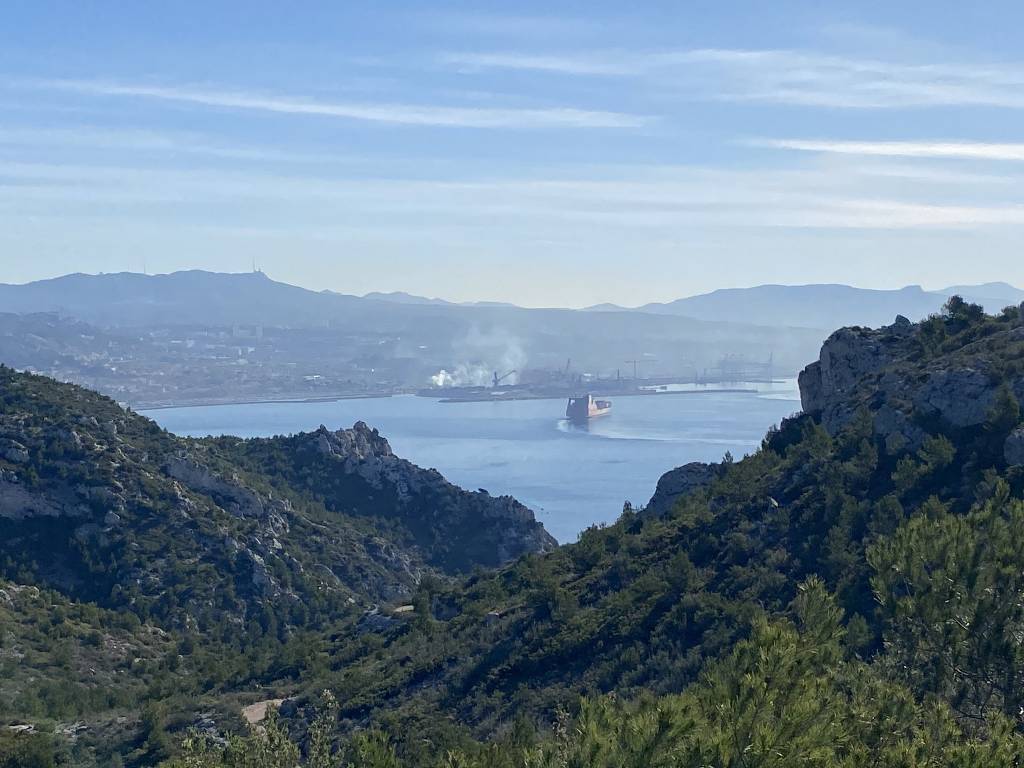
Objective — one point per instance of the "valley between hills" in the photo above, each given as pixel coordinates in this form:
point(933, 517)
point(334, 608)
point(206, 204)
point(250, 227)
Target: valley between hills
point(849, 594)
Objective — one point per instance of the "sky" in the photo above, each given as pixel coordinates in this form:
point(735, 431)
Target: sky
point(548, 154)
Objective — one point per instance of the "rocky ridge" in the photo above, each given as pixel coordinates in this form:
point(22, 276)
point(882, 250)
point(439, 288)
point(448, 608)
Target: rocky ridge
point(901, 376)
point(359, 475)
point(105, 506)
point(893, 374)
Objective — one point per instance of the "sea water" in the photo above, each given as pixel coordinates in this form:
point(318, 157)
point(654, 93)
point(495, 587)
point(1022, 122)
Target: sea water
point(571, 476)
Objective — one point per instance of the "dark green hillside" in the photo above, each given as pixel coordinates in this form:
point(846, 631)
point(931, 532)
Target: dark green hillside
point(915, 536)
point(354, 473)
point(850, 595)
point(220, 572)
point(105, 506)
point(88, 507)
point(792, 693)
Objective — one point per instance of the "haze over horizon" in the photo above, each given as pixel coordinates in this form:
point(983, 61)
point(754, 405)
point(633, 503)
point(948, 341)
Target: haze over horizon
point(544, 159)
point(1004, 289)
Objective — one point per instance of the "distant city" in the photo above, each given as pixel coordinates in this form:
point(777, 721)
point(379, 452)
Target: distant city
point(204, 338)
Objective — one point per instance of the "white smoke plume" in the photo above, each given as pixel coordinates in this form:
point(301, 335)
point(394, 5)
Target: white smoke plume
point(483, 354)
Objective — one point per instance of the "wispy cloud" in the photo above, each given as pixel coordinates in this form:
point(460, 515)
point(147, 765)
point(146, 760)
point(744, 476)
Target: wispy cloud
point(566, 64)
point(152, 142)
point(398, 114)
point(660, 201)
point(505, 26)
point(781, 76)
point(926, 149)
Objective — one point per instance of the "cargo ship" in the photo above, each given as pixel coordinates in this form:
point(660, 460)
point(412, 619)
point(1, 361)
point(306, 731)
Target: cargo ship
point(583, 408)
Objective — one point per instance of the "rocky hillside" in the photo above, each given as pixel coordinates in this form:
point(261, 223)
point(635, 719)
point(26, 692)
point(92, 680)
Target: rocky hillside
point(904, 468)
point(854, 590)
point(105, 506)
point(247, 553)
point(354, 472)
point(912, 377)
point(945, 374)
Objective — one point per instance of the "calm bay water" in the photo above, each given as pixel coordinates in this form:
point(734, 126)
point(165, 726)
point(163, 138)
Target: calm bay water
point(572, 477)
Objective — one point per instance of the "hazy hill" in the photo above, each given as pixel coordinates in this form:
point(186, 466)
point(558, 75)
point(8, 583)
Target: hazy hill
point(992, 296)
point(818, 306)
point(442, 335)
point(180, 298)
point(401, 297)
point(826, 306)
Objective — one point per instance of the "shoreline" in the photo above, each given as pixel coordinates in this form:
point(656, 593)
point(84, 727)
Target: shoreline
point(439, 396)
point(598, 393)
point(253, 401)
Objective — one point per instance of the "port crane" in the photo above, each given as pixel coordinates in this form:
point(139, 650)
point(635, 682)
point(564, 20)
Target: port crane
point(498, 379)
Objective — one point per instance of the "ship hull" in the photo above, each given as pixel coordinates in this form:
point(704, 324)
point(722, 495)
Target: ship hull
point(585, 408)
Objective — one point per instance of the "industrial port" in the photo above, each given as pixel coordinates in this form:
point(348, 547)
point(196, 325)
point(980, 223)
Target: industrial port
point(733, 373)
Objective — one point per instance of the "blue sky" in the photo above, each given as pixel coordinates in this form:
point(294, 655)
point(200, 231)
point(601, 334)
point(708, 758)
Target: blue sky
point(547, 154)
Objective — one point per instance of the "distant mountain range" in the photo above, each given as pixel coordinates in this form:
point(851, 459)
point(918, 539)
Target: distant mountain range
point(823, 306)
point(401, 297)
point(428, 332)
point(408, 338)
point(190, 297)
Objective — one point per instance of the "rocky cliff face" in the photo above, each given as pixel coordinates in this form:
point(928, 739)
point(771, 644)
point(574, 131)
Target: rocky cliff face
point(105, 506)
point(361, 451)
point(905, 377)
point(360, 475)
point(677, 483)
point(913, 380)
point(229, 493)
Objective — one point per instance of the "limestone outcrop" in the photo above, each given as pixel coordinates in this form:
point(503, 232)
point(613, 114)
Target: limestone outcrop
point(677, 483)
point(495, 529)
point(907, 383)
point(228, 493)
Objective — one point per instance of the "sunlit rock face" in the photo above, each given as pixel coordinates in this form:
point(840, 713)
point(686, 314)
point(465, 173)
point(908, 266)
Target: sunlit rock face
point(888, 373)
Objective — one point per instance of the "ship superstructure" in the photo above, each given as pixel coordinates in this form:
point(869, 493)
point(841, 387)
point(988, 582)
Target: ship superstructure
point(586, 407)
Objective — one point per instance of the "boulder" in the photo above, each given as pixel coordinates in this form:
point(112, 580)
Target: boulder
point(229, 494)
point(13, 451)
point(677, 483)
